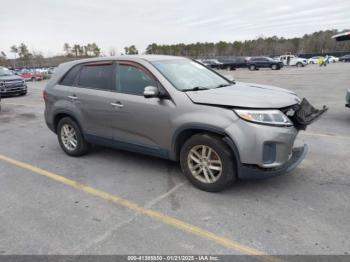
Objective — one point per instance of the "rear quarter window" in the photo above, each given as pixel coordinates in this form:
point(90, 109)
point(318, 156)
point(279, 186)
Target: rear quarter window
point(70, 77)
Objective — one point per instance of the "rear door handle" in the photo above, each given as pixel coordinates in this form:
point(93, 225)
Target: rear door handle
point(117, 104)
point(74, 97)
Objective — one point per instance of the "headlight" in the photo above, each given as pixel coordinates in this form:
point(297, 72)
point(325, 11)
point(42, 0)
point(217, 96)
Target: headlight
point(266, 117)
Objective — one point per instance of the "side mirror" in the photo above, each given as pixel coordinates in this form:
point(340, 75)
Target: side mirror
point(150, 91)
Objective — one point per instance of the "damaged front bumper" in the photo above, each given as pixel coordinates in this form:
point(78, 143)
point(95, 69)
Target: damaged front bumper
point(254, 172)
point(267, 151)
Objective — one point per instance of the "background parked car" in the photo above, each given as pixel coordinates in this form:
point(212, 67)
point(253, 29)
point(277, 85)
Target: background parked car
point(255, 63)
point(292, 60)
point(333, 59)
point(11, 84)
point(212, 63)
point(51, 70)
point(314, 59)
point(31, 75)
point(44, 72)
point(344, 58)
point(233, 63)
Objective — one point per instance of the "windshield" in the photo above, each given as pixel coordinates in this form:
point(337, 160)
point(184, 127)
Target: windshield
point(186, 74)
point(5, 72)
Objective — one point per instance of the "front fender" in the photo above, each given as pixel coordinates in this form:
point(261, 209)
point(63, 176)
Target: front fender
point(200, 121)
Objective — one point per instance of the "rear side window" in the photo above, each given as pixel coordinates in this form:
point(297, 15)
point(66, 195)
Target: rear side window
point(68, 79)
point(133, 80)
point(97, 76)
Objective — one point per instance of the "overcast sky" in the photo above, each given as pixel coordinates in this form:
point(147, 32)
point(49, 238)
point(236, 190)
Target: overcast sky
point(45, 25)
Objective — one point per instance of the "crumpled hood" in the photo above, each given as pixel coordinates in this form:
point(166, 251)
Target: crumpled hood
point(245, 95)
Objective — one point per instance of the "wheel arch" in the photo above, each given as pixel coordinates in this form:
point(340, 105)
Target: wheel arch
point(184, 133)
point(61, 114)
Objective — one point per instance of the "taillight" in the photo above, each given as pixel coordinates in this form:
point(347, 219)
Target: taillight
point(45, 96)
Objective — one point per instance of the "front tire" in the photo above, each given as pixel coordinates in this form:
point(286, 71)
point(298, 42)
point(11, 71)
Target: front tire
point(208, 162)
point(71, 138)
point(274, 67)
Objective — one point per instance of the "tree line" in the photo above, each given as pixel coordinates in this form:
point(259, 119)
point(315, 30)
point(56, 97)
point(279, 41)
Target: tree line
point(77, 50)
point(318, 42)
point(22, 56)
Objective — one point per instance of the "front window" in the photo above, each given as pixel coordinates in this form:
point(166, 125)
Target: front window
point(5, 72)
point(186, 74)
point(133, 80)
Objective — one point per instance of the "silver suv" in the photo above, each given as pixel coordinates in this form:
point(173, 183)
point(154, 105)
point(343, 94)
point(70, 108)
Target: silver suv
point(178, 109)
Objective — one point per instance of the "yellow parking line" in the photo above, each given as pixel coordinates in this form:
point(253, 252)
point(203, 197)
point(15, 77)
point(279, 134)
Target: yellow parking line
point(174, 222)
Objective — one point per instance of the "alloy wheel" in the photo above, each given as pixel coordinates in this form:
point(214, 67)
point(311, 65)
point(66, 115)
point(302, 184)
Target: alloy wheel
point(69, 137)
point(204, 164)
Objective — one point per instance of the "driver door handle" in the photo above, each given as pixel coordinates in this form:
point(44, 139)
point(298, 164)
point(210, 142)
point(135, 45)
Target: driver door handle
point(117, 104)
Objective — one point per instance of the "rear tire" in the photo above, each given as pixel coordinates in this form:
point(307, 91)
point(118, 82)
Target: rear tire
point(208, 162)
point(71, 138)
point(252, 67)
point(299, 64)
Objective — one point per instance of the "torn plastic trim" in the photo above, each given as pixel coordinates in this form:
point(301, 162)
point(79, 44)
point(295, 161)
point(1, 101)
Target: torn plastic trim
point(304, 114)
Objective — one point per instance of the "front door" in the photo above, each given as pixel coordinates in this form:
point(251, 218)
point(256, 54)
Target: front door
point(141, 124)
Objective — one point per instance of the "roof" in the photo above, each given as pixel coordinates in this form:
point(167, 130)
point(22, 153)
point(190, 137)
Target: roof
point(64, 67)
point(148, 58)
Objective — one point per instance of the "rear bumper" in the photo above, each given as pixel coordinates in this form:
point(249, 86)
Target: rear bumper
point(255, 172)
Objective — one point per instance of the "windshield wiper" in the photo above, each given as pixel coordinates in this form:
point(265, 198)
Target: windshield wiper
point(222, 85)
point(195, 88)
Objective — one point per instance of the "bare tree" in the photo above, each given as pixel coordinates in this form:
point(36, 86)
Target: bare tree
point(14, 50)
point(112, 51)
point(131, 50)
point(67, 49)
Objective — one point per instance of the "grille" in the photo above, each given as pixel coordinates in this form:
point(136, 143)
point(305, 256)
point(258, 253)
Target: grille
point(9, 84)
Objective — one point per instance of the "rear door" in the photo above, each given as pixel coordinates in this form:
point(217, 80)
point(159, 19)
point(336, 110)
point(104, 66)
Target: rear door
point(91, 96)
